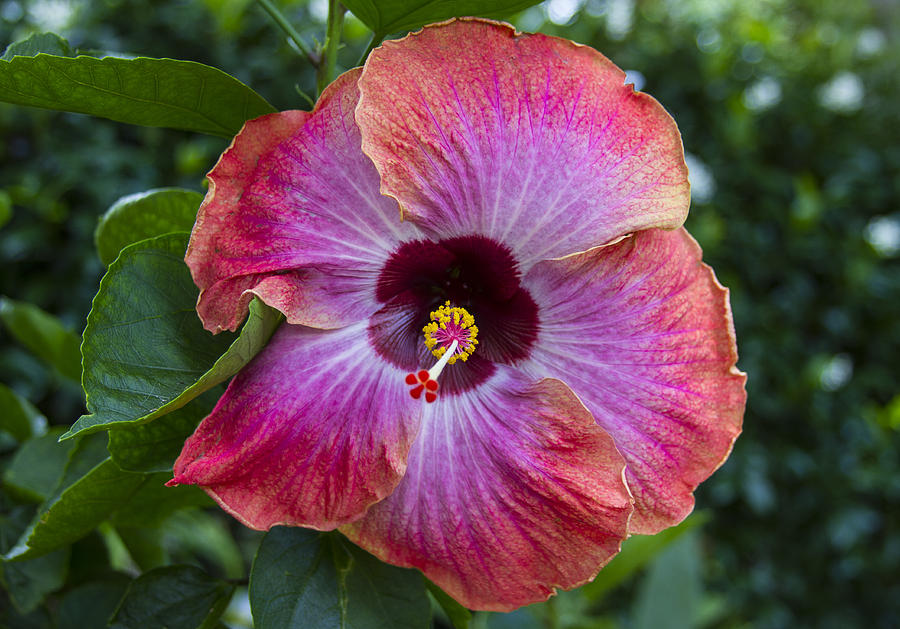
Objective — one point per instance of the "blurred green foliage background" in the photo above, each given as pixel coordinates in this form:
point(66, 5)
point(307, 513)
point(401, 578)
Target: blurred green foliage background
point(790, 118)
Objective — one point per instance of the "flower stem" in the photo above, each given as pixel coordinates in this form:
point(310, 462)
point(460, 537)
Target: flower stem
point(326, 70)
point(278, 17)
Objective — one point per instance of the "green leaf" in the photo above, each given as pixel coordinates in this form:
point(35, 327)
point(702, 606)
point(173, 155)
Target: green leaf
point(193, 533)
point(14, 519)
point(79, 505)
point(91, 604)
point(459, 616)
point(37, 466)
point(145, 546)
point(321, 581)
point(11, 619)
point(175, 597)
point(151, 92)
point(145, 351)
point(44, 335)
point(153, 503)
point(17, 415)
point(389, 16)
point(88, 453)
point(29, 582)
point(637, 551)
point(145, 215)
point(670, 596)
point(153, 447)
point(35, 43)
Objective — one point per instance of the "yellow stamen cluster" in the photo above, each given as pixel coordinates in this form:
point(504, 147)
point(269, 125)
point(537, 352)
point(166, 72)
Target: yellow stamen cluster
point(449, 324)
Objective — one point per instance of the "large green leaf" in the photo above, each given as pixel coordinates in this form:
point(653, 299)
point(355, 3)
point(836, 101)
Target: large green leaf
point(37, 466)
point(18, 416)
point(201, 534)
point(152, 92)
point(84, 499)
point(79, 509)
point(145, 546)
point(321, 581)
point(154, 446)
point(91, 604)
point(175, 597)
point(145, 352)
point(459, 616)
point(637, 551)
point(670, 595)
point(10, 618)
point(29, 582)
point(145, 215)
point(35, 43)
point(153, 502)
point(87, 454)
point(44, 335)
point(389, 16)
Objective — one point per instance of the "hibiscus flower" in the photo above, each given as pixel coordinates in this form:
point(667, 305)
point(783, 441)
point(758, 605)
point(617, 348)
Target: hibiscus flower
point(502, 353)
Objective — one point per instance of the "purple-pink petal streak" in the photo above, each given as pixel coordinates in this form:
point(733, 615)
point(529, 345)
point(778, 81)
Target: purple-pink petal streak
point(642, 332)
point(311, 433)
point(530, 140)
point(294, 216)
point(511, 491)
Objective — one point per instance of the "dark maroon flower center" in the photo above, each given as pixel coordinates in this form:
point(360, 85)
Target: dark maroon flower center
point(472, 272)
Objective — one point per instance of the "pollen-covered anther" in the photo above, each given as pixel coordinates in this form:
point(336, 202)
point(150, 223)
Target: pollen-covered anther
point(451, 335)
point(449, 323)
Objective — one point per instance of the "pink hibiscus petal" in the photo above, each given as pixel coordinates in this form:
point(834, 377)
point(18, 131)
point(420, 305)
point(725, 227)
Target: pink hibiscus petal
point(313, 431)
point(512, 490)
point(531, 140)
point(642, 332)
point(294, 215)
